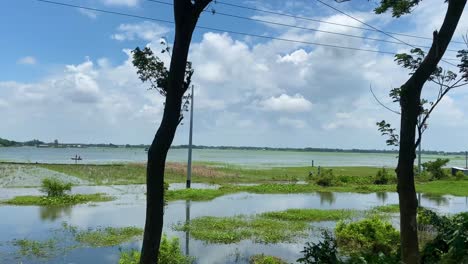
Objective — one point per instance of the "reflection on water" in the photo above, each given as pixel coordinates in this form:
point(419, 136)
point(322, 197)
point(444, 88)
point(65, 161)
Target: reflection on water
point(440, 200)
point(382, 196)
point(33, 222)
point(326, 197)
point(52, 213)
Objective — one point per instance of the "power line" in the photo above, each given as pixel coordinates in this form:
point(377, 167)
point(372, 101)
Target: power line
point(213, 29)
point(367, 24)
point(215, 12)
point(321, 21)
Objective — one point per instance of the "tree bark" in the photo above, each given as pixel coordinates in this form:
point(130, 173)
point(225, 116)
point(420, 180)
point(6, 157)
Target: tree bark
point(410, 110)
point(186, 16)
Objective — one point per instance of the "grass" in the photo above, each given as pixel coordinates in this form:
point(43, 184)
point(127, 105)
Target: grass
point(272, 227)
point(34, 248)
point(309, 215)
point(109, 236)
point(264, 259)
point(389, 209)
point(195, 194)
point(58, 201)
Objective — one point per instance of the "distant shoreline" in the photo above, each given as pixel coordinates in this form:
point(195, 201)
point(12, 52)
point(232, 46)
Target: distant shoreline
point(308, 149)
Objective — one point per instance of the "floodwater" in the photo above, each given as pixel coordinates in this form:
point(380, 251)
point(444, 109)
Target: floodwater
point(254, 158)
point(33, 222)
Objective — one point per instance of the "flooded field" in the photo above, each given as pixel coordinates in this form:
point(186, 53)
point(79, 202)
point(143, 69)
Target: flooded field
point(42, 223)
point(251, 158)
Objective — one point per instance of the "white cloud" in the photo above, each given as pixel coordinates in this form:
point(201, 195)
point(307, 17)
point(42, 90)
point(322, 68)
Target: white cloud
point(286, 103)
point(28, 60)
point(88, 13)
point(121, 2)
point(147, 31)
point(293, 123)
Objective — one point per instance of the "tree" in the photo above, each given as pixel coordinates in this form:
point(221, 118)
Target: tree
point(174, 83)
point(423, 68)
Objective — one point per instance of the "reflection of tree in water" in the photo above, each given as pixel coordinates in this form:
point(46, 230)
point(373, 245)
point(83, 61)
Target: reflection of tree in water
point(382, 196)
point(52, 213)
point(437, 199)
point(326, 197)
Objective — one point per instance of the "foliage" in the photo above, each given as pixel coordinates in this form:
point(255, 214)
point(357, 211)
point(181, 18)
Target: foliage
point(54, 187)
point(435, 168)
point(382, 177)
point(325, 251)
point(169, 253)
point(263, 259)
point(451, 242)
point(109, 236)
point(367, 237)
point(33, 248)
point(398, 7)
point(7, 143)
point(460, 175)
point(325, 178)
point(386, 130)
point(151, 68)
point(391, 208)
point(60, 200)
point(309, 215)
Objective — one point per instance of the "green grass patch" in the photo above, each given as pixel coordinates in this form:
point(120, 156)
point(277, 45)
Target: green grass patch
point(169, 253)
point(310, 215)
point(35, 248)
point(264, 259)
point(389, 209)
point(272, 227)
point(195, 194)
point(109, 236)
point(59, 200)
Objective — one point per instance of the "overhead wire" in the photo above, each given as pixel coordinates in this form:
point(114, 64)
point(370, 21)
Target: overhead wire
point(216, 12)
point(320, 21)
point(212, 28)
point(369, 25)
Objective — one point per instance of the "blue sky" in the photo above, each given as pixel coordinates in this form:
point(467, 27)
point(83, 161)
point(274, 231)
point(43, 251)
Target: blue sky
point(66, 74)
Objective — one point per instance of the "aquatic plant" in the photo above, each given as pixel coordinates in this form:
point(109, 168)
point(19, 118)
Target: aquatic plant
point(55, 188)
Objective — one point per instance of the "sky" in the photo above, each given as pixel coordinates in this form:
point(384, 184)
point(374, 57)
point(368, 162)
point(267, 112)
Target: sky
point(67, 74)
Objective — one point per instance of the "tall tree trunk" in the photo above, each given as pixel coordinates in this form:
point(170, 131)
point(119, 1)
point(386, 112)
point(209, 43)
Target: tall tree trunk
point(410, 110)
point(186, 19)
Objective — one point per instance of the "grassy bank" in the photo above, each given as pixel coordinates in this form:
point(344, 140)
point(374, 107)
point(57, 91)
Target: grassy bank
point(270, 180)
point(58, 201)
point(271, 227)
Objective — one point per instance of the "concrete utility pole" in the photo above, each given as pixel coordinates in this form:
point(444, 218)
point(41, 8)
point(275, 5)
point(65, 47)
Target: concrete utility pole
point(189, 164)
point(419, 150)
point(466, 159)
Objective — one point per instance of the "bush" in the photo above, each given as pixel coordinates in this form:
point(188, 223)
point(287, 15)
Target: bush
point(450, 244)
point(382, 177)
point(324, 251)
point(435, 168)
point(460, 175)
point(263, 259)
point(367, 237)
point(326, 178)
point(169, 253)
point(54, 187)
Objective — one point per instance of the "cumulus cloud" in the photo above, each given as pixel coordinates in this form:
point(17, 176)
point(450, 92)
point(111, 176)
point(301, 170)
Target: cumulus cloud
point(147, 31)
point(28, 60)
point(286, 103)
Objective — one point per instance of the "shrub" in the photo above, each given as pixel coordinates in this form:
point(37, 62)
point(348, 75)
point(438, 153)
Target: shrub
point(367, 237)
point(435, 168)
point(54, 187)
point(450, 244)
point(324, 251)
point(169, 253)
point(326, 178)
point(460, 175)
point(382, 177)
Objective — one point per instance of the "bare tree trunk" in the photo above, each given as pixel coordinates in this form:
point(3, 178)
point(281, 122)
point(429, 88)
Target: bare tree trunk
point(185, 24)
point(410, 110)
point(186, 13)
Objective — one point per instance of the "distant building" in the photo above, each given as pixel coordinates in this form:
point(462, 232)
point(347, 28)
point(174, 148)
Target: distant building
point(457, 169)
